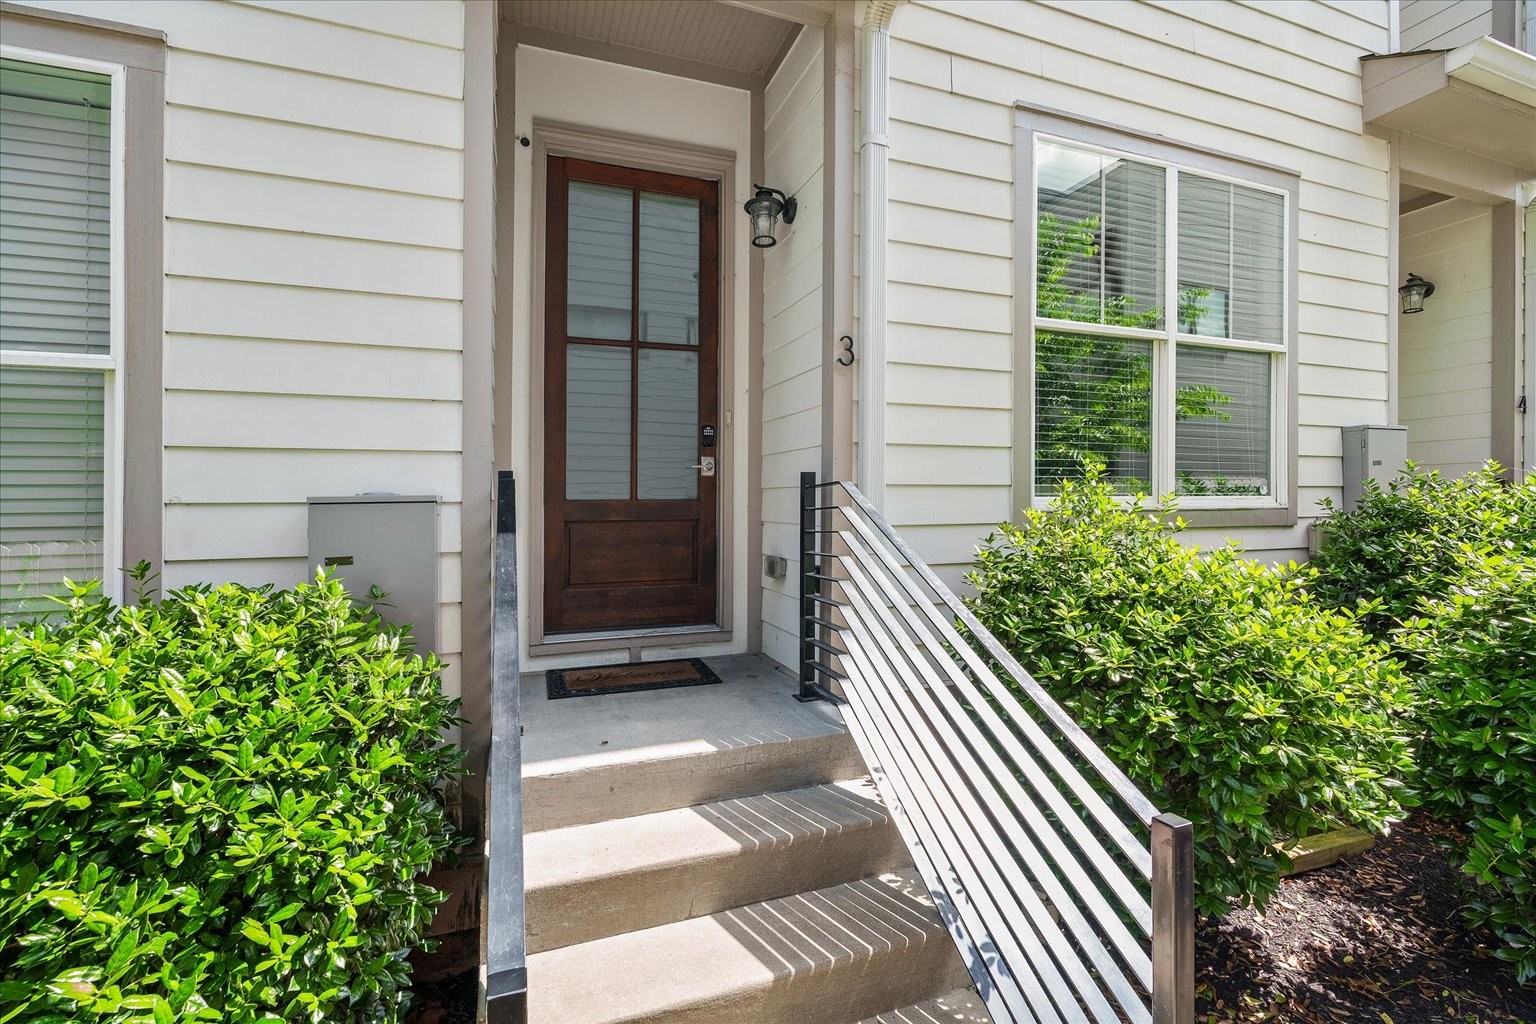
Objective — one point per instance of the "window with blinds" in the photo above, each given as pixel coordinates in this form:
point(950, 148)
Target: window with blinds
point(1159, 326)
point(56, 350)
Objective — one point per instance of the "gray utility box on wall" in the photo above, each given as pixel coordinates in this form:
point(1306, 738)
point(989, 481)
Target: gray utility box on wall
point(1372, 453)
point(387, 541)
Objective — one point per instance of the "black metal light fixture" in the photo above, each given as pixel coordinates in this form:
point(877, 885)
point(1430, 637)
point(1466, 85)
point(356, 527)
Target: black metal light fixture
point(765, 207)
point(1414, 293)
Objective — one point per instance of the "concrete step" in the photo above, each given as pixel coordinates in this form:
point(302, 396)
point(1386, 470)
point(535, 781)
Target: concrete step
point(803, 748)
point(961, 1006)
point(832, 956)
point(591, 881)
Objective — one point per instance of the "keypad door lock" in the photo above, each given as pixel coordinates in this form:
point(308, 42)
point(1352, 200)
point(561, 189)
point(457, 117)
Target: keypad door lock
point(705, 466)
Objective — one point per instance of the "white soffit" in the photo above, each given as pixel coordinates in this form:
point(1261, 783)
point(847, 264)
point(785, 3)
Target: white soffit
point(728, 36)
point(1480, 98)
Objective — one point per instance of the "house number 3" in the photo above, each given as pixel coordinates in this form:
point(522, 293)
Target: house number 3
point(845, 357)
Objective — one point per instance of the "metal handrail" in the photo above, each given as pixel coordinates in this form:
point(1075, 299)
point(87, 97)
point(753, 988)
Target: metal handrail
point(1068, 893)
point(505, 985)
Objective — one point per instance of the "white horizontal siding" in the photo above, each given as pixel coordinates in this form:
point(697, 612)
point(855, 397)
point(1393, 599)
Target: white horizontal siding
point(1444, 24)
point(255, 200)
point(792, 328)
point(313, 246)
point(206, 475)
point(1274, 83)
point(1446, 352)
point(283, 149)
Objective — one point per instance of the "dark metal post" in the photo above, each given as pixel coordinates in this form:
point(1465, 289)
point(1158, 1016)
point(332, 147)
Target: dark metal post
point(1173, 920)
point(505, 992)
point(809, 585)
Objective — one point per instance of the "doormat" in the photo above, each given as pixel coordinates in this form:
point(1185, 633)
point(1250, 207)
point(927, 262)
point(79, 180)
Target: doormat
point(652, 675)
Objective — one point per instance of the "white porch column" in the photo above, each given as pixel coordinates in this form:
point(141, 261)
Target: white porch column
point(874, 146)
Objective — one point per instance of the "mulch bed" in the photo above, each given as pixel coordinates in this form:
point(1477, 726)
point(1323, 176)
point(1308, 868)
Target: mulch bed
point(1374, 940)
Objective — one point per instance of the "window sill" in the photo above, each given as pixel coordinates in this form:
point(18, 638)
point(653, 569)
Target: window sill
point(1208, 518)
point(1217, 518)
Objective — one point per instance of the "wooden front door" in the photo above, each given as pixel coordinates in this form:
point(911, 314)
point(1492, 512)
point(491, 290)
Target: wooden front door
point(631, 348)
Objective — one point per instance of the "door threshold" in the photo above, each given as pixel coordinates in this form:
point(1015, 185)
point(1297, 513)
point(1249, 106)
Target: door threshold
point(627, 634)
point(611, 639)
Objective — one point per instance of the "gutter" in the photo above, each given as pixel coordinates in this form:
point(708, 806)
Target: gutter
point(1497, 67)
point(874, 150)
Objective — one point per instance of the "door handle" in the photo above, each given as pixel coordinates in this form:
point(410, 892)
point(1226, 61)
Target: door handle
point(705, 466)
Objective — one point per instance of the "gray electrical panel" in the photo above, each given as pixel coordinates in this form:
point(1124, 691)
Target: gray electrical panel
point(387, 541)
point(1372, 453)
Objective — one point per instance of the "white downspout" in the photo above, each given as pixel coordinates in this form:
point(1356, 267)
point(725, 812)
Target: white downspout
point(874, 148)
point(1527, 237)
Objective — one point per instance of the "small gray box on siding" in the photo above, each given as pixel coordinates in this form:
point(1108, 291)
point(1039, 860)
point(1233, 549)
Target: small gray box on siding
point(1372, 452)
point(388, 541)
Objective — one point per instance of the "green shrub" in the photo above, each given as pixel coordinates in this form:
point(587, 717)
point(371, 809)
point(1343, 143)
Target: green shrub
point(216, 807)
point(1477, 757)
point(1403, 544)
point(1215, 682)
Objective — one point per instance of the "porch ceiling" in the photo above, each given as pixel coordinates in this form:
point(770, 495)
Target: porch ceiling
point(1479, 98)
point(704, 31)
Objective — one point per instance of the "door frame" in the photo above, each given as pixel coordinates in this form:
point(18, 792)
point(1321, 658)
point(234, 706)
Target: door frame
point(559, 138)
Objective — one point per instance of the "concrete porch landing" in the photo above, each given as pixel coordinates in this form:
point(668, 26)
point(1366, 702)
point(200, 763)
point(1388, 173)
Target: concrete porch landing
point(595, 758)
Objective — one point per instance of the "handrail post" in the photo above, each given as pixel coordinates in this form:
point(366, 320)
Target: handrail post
point(504, 991)
point(1173, 920)
point(808, 587)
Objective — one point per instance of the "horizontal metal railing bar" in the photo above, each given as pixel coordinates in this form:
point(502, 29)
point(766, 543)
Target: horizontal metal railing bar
point(826, 670)
point(938, 705)
point(1070, 730)
point(1108, 820)
point(823, 485)
point(817, 620)
point(822, 599)
point(821, 576)
point(822, 645)
point(823, 693)
point(1003, 875)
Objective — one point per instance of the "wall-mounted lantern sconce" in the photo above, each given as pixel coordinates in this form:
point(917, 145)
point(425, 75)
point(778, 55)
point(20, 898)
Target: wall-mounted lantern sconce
point(764, 208)
point(1414, 293)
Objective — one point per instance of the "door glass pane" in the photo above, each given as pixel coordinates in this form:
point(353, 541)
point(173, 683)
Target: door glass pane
point(1101, 238)
point(55, 187)
point(52, 472)
point(1093, 401)
point(596, 422)
point(669, 424)
point(669, 269)
point(599, 261)
point(1222, 438)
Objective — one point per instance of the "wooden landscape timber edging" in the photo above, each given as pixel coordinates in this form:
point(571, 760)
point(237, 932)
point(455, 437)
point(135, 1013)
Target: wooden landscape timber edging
point(1325, 848)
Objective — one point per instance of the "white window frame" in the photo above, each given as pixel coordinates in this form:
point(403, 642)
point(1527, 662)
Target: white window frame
point(110, 363)
point(1033, 125)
